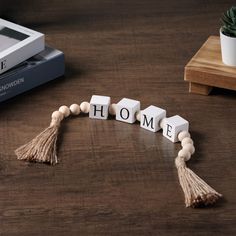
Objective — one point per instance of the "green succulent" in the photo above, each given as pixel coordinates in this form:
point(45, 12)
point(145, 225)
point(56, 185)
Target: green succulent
point(229, 22)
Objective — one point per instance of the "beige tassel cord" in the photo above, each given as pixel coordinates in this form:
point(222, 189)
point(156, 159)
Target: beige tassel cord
point(43, 149)
point(197, 192)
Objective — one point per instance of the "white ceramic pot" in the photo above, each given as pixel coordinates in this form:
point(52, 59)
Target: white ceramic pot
point(228, 49)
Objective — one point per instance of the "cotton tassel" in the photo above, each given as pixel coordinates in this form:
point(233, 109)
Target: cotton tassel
point(197, 192)
point(43, 147)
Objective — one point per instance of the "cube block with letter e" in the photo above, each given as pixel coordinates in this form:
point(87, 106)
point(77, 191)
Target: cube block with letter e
point(173, 125)
point(150, 118)
point(126, 109)
point(99, 107)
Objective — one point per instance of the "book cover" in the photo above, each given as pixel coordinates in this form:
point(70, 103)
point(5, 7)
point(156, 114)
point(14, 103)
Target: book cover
point(45, 66)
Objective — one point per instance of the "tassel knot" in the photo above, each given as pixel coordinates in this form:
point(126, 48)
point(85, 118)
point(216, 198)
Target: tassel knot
point(55, 122)
point(179, 162)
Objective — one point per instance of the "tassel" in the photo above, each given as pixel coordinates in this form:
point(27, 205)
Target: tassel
point(197, 192)
point(43, 147)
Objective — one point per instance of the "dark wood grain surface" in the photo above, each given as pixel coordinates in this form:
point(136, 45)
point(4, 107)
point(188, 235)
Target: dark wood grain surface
point(114, 178)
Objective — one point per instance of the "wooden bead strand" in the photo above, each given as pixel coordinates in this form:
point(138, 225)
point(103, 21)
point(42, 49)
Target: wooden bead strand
point(64, 110)
point(138, 116)
point(43, 147)
point(183, 134)
point(187, 145)
point(112, 109)
point(85, 107)
point(75, 109)
point(162, 121)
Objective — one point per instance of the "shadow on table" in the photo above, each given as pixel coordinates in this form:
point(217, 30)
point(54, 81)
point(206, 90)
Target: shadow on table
point(221, 91)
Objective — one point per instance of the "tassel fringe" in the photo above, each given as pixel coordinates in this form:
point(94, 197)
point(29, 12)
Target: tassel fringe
point(43, 147)
point(197, 192)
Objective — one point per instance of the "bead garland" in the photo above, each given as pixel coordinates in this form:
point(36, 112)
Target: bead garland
point(43, 147)
point(184, 137)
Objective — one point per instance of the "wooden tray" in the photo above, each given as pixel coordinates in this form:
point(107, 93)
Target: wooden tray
point(206, 69)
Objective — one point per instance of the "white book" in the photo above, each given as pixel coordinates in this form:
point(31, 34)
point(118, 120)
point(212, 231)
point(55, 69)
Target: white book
point(17, 44)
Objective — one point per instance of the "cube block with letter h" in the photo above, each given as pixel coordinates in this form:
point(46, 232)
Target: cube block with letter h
point(99, 106)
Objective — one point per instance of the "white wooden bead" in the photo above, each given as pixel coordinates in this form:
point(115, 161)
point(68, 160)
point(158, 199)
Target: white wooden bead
point(138, 115)
point(183, 134)
point(112, 109)
point(85, 107)
point(64, 110)
point(75, 109)
point(186, 140)
point(189, 147)
point(57, 115)
point(162, 122)
point(185, 154)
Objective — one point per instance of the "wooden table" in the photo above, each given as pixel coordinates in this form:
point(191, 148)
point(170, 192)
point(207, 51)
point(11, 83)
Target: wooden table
point(114, 178)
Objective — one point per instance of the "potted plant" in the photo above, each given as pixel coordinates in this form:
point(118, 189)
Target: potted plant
point(228, 37)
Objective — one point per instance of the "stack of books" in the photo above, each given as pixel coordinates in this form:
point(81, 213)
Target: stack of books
point(25, 60)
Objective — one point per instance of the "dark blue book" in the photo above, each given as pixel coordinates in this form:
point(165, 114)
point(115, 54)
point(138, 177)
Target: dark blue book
point(40, 69)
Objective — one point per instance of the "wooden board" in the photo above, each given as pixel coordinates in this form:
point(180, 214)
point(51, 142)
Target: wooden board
point(206, 69)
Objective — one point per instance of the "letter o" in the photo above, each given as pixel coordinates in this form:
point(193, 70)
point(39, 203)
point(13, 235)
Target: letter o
point(121, 113)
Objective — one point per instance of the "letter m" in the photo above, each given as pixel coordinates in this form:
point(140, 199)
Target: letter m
point(147, 122)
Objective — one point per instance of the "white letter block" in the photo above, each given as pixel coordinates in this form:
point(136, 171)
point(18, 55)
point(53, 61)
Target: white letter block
point(150, 118)
point(173, 125)
point(126, 109)
point(99, 107)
